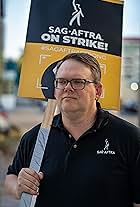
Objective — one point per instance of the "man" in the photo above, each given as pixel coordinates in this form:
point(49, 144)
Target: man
point(92, 157)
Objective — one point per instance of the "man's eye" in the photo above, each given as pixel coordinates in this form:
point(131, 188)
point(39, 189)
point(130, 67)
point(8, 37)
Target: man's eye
point(77, 82)
point(62, 82)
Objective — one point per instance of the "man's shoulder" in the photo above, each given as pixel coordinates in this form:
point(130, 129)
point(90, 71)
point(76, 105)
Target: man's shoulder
point(124, 125)
point(31, 134)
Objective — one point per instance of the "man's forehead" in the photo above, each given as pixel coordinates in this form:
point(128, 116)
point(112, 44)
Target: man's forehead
point(72, 64)
point(74, 70)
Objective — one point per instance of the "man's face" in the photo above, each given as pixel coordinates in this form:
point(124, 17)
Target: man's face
point(71, 100)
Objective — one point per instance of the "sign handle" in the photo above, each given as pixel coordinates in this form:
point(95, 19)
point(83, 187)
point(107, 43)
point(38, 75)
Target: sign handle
point(28, 200)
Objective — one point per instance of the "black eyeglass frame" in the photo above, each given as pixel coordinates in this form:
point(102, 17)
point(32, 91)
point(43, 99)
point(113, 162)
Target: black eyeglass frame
point(85, 81)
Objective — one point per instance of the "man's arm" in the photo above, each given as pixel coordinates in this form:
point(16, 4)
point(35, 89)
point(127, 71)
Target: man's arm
point(11, 185)
point(136, 205)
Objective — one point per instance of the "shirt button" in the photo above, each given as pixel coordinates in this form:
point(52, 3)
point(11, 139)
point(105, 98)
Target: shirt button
point(70, 136)
point(75, 146)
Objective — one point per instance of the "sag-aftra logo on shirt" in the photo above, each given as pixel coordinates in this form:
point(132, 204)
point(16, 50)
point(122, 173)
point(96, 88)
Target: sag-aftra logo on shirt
point(106, 149)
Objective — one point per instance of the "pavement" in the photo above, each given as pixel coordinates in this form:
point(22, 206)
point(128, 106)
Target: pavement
point(25, 118)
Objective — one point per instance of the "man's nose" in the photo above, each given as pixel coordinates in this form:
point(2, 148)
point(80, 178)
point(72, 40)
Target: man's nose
point(68, 87)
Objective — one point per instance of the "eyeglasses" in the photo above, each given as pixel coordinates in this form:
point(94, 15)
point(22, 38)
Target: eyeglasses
point(76, 84)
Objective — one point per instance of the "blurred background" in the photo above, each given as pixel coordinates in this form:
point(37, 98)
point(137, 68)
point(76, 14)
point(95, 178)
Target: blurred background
point(17, 115)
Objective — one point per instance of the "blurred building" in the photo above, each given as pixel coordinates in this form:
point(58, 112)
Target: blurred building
point(130, 70)
point(7, 84)
point(1, 43)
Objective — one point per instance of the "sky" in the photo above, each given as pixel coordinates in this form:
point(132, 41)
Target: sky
point(16, 21)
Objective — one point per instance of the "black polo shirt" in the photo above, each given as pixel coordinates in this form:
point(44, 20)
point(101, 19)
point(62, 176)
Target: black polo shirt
point(100, 169)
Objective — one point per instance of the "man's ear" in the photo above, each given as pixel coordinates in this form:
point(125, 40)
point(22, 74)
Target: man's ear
point(99, 89)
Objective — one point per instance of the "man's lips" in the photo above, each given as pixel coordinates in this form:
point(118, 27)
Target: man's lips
point(68, 97)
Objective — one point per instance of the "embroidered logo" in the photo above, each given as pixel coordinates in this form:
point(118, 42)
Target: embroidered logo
point(106, 149)
point(76, 14)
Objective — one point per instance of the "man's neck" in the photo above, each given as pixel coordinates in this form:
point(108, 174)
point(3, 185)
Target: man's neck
point(78, 123)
